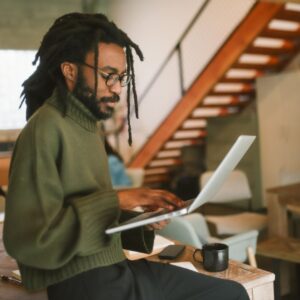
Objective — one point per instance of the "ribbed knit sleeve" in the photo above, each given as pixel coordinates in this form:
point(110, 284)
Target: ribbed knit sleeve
point(95, 213)
point(57, 204)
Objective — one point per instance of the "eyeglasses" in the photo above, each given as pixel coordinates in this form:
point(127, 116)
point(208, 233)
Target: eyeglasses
point(111, 78)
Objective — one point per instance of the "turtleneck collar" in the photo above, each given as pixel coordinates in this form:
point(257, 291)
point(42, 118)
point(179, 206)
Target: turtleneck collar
point(76, 110)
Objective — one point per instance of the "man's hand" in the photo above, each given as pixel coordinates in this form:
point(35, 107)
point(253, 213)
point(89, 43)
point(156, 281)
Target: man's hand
point(158, 225)
point(149, 199)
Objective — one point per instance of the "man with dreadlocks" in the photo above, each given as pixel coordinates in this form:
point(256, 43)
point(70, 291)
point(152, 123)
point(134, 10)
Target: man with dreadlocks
point(60, 198)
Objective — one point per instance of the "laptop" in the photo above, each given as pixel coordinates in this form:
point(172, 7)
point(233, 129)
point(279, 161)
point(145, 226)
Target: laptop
point(229, 162)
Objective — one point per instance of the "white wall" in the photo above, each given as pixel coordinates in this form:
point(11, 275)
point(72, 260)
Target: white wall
point(217, 22)
point(23, 23)
point(156, 26)
point(279, 128)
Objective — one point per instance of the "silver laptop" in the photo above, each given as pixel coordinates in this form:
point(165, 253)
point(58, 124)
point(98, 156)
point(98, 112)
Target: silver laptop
point(215, 182)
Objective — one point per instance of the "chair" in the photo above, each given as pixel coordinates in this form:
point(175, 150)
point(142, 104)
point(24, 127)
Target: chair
point(236, 187)
point(192, 230)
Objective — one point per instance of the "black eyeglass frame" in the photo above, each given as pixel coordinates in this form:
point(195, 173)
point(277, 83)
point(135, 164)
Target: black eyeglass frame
point(113, 77)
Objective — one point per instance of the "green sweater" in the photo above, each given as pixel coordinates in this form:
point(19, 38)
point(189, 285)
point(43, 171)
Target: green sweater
point(60, 199)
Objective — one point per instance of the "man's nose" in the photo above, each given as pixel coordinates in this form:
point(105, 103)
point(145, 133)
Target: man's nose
point(116, 88)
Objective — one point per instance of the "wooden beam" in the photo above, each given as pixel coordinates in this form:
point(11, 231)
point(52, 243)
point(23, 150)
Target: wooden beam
point(289, 15)
point(269, 67)
point(252, 25)
point(4, 168)
point(281, 34)
point(158, 178)
point(287, 48)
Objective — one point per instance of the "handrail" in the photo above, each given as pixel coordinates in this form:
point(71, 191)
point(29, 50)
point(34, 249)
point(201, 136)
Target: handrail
point(177, 48)
point(239, 40)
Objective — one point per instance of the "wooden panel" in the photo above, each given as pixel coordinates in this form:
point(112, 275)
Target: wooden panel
point(289, 15)
point(253, 24)
point(9, 291)
point(261, 67)
point(250, 277)
point(178, 144)
point(238, 80)
point(272, 51)
point(158, 178)
point(286, 249)
point(199, 129)
point(4, 168)
point(281, 34)
point(233, 93)
point(163, 162)
point(156, 171)
point(286, 190)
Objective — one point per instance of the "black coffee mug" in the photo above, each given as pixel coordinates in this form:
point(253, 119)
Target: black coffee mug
point(215, 257)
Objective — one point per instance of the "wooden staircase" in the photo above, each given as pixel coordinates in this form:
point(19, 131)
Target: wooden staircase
point(265, 42)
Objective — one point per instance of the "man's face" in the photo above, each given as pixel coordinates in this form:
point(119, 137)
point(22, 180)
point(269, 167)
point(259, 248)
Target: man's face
point(111, 60)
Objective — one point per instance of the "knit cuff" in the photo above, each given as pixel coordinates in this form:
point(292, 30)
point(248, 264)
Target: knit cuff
point(96, 212)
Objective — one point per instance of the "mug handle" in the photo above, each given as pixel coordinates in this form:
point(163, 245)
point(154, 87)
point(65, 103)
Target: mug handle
point(195, 255)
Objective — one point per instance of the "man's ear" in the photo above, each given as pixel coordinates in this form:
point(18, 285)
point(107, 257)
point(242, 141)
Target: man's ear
point(69, 71)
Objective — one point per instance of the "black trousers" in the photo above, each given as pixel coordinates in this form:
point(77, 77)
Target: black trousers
point(144, 280)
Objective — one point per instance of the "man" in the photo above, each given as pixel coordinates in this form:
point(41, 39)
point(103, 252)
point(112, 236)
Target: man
point(60, 199)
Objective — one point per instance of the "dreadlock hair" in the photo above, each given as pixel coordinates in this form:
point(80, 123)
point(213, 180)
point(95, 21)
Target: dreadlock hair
point(70, 38)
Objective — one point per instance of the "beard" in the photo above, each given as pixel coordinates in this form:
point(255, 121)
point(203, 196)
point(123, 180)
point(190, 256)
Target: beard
point(87, 96)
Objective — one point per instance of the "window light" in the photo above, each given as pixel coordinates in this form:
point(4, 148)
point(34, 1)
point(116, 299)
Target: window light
point(217, 100)
point(168, 153)
point(268, 42)
point(292, 6)
point(188, 134)
point(225, 100)
point(284, 25)
point(241, 73)
point(229, 87)
point(15, 68)
point(206, 112)
point(254, 59)
point(194, 123)
point(177, 144)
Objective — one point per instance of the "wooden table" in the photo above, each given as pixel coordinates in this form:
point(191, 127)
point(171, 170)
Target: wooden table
point(282, 251)
point(280, 200)
point(10, 291)
point(4, 167)
point(258, 283)
point(286, 249)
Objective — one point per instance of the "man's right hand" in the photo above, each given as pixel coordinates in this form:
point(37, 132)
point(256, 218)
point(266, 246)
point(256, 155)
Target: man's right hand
point(149, 199)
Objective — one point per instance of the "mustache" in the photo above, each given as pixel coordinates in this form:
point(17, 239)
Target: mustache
point(114, 98)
